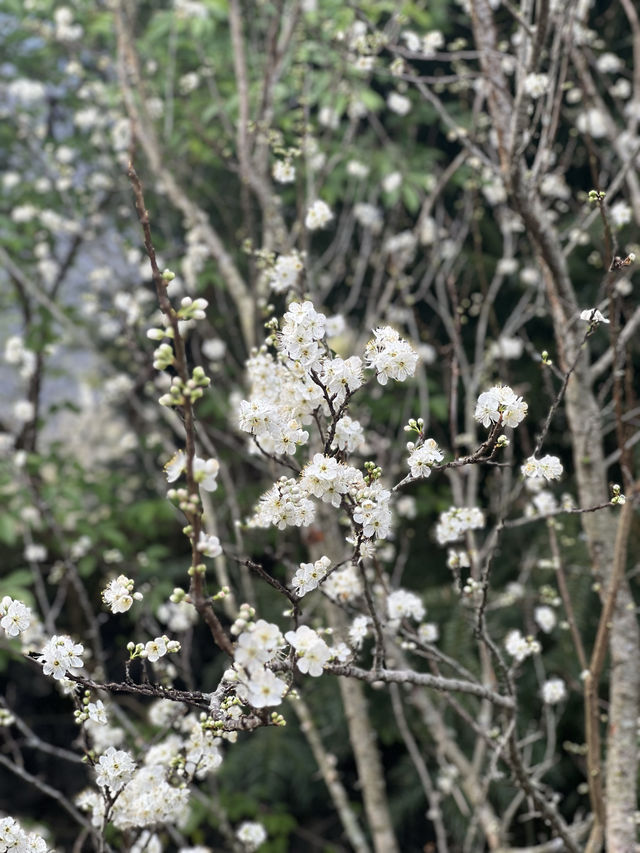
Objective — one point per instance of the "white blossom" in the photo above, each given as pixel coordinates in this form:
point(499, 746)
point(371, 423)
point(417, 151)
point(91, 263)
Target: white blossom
point(283, 171)
point(359, 630)
point(548, 467)
point(402, 603)
point(285, 273)
point(60, 655)
point(428, 632)
point(593, 122)
point(500, 403)
point(423, 457)
point(15, 616)
point(117, 595)
point(252, 834)
point(209, 545)
point(620, 214)
point(390, 355)
point(398, 103)
point(114, 769)
point(545, 618)
point(456, 521)
point(312, 653)
point(535, 85)
point(592, 315)
point(309, 575)
point(520, 647)
point(553, 691)
point(318, 215)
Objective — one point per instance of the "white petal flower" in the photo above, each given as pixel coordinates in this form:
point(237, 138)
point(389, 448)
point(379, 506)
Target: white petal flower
point(318, 215)
point(592, 315)
point(175, 466)
point(553, 691)
point(209, 545)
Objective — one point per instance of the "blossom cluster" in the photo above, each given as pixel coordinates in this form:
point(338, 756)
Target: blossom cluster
point(373, 511)
point(14, 838)
point(423, 457)
point(500, 405)
point(341, 377)
point(287, 392)
point(401, 604)
point(284, 504)
point(318, 215)
point(201, 748)
point(15, 616)
point(60, 656)
point(145, 797)
point(285, 273)
point(548, 467)
point(390, 355)
point(326, 478)
point(520, 647)
point(117, 595)
point(344, 585)
point(154, 649)
point(309, 575)
point(255, 683)
point(455, 522)
point(114, 769)
point(312, 653)
point(359, 630)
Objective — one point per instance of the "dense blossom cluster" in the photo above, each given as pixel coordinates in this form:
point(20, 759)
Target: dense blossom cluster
point(114, 769)
point(303, 329)
point(284, 504)
point(144, 796)
point(326, 478)
point(390, 355)
point(14, 839)
point(373, 511)
point(286, 393)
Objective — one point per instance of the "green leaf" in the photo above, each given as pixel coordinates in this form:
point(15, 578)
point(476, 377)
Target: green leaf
point(8, 529)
